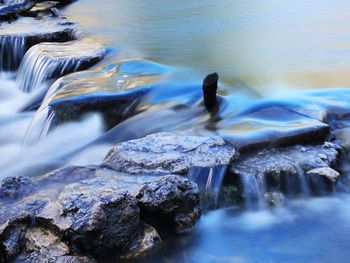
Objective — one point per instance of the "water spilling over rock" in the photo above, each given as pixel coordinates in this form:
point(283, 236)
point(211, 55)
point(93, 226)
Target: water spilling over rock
point(115, 90)
point(52, 60)
point(261, 176)
point(17, 37)
point(275, 125)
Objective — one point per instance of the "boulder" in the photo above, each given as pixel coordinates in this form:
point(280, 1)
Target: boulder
point(169, 153)
point(76, 212)
point(95, 220)
point(47, 61)
point(17, 37)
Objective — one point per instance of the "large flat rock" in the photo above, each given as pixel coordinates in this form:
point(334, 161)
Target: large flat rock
point(17, 37)
point(168, 153)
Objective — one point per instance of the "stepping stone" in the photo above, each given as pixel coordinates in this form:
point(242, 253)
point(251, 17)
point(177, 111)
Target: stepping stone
point(47, 61)
point(169, 153)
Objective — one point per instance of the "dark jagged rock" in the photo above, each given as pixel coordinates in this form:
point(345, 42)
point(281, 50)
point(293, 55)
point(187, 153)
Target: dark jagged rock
point(16, 38)
point(168, 153)
point(95, 221)
point(172, 200)
point(94, 211)
point(47, 61)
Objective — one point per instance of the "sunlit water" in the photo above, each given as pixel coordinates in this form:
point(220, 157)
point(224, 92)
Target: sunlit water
point(263, 42)
point(263, 50)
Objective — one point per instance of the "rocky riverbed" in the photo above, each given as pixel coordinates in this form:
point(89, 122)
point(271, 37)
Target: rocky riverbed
point(155, 183)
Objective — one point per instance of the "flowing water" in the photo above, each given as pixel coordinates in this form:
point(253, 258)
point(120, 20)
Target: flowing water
point(266, 52)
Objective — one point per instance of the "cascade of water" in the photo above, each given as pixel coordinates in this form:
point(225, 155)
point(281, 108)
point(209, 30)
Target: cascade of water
point(12, 50)
point(209, 181)
point(40, 125)
point(254, 188)
point(36, 68)
point(303, 184)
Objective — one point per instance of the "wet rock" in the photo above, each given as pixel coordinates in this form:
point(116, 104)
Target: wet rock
point(173, 201)
point(17, 37)
point(96, 220)
point(168, 153)
point(322, 179)
point(328, 173)
point(52, 60)
point(97, 211)
point(274, 199)
point(15, 187)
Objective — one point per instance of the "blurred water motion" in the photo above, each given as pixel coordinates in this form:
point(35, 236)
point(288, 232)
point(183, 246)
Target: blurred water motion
point(313, 230)
point(268, 53)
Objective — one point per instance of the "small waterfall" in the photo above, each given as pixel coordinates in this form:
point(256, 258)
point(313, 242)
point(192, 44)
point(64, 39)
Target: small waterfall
point(209, 181)
point(303, 183)
point(36, 68)
point(41, 124)
point(254, 189)
point(12, 50)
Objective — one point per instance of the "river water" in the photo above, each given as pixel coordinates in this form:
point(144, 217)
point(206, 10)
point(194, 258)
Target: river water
point(262, 50)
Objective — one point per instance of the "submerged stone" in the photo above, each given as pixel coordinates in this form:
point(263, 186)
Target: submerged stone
point(169, 153)
point(17, 37)
point(52, 60)
point(272, 125)
point(274, 199)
